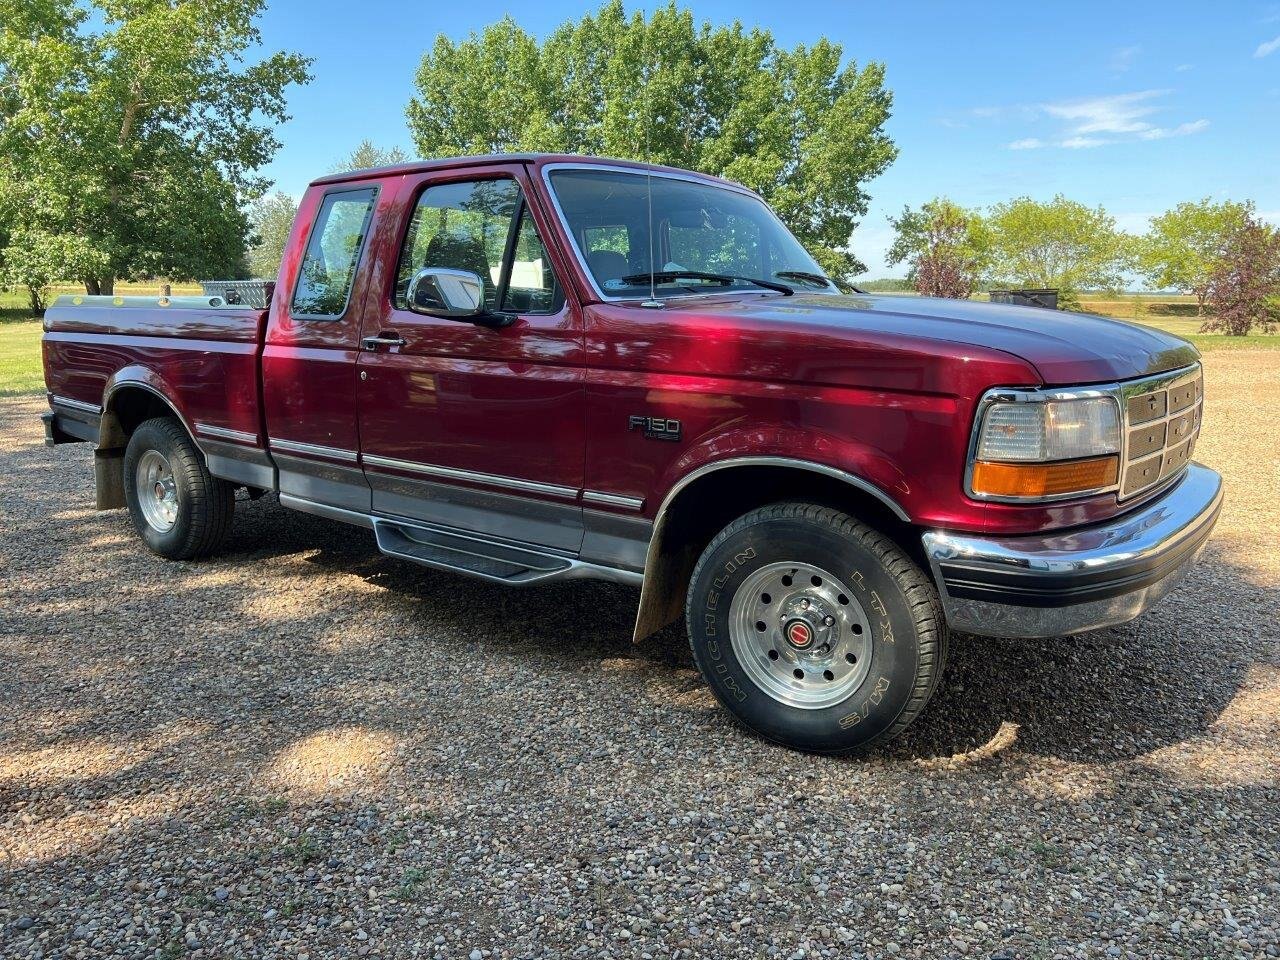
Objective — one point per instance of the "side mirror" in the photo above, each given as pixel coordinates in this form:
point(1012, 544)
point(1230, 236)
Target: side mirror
point(441, 292)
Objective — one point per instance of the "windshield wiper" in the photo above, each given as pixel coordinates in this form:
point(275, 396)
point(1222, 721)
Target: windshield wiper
point(667, 276)
point(805, 275)
point(818, 278)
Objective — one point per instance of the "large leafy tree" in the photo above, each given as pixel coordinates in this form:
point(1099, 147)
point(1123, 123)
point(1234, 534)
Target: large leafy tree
point(947, 248)
point(1243, 288)
point(1060, 244)
point(797, 125)
point(130, 135)
point(368, 155)
point(270, 220)
point(1184, 245)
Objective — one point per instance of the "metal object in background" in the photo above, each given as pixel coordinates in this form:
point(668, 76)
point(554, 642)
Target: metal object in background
point(1027, 298)
point(241, 293)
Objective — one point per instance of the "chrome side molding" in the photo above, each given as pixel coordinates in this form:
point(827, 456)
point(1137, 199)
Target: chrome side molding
point(471, 476)
point(314, 450)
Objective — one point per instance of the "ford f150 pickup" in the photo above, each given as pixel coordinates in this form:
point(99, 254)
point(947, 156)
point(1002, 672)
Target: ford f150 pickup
point(531, 367)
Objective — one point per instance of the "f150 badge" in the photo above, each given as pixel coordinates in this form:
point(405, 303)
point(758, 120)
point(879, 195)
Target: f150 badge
point(655, 428)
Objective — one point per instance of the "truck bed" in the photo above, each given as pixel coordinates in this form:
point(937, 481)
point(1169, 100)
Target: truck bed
point(197, 355)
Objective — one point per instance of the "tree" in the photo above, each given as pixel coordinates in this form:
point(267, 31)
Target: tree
point(366, 156)
point(270, 220)
point(168, 127)
point(1243, 288)
point(1060, 244)
point(1182, 246)
point(948, 248)
point(796, 125)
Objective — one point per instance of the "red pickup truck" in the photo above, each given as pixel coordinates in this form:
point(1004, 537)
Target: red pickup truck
point(530, 367)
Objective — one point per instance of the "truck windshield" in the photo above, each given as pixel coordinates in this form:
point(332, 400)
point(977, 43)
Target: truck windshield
point(697, 228)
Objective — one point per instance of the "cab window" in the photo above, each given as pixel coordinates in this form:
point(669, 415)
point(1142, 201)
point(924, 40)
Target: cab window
point(333, 250)
point(473, 226)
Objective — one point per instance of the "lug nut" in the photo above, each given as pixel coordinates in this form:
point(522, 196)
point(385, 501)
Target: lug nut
point(804, 604)
point(829, 620)
point(824, 649)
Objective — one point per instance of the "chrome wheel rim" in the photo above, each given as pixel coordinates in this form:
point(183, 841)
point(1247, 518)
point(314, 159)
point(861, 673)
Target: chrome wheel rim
point(157, 491)
point(800, 635)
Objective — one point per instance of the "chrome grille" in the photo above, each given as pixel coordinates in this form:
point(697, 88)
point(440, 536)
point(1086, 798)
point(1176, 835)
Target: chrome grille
point(1161, 424)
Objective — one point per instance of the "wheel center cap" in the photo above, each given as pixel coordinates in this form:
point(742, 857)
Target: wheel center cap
point(799, 634)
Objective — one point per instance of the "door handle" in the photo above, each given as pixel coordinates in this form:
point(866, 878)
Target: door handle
point(385, 339)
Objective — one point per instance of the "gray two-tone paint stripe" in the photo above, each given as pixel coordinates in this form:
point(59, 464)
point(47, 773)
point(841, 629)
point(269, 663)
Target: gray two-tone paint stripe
point(226, 433)
point(451, 473)
point(612, 500)
point(314, 450)
point(76, 404)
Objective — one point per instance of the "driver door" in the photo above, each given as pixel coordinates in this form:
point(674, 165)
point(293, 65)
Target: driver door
point(462, 425)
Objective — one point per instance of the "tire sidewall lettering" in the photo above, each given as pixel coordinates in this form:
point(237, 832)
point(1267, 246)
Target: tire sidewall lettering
point(877, 701)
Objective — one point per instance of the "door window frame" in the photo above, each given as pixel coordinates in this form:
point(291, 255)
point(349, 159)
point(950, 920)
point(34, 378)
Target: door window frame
point(356, 261)
point(523, 208)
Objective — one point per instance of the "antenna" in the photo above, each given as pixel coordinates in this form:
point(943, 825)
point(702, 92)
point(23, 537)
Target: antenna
point(653, 302)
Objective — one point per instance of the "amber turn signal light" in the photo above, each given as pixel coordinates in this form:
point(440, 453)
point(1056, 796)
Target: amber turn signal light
point(1032, 480)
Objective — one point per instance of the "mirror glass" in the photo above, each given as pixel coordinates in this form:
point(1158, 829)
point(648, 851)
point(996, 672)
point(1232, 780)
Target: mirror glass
point(443, 292)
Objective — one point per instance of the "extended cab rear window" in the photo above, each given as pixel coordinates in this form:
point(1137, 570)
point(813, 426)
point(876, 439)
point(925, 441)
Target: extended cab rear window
point(333, 250)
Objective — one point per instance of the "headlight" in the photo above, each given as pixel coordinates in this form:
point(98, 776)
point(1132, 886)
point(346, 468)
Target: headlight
point(1035, 447)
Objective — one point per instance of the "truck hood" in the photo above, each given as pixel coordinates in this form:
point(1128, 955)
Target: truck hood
point(1065, 348)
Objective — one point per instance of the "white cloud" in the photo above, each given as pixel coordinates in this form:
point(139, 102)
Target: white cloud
point(1089, 122)
point(1268, 48)
point(1082, 143)
point(1184, 67)
point(1181, 130)
point(1121, 113)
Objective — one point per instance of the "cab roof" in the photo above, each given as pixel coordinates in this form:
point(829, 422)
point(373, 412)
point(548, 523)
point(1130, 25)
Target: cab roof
point(492, 159)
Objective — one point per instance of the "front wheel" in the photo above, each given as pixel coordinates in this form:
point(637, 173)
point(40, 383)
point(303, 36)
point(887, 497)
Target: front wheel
point(815, 630)
point(180, 510)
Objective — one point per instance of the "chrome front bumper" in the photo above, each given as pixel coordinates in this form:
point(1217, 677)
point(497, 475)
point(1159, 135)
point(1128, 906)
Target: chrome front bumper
point(1084, 579)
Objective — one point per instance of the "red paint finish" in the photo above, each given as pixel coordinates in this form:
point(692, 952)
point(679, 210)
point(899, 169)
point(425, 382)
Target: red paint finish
point(204, 362)
point(880, 387)
point(503, 401)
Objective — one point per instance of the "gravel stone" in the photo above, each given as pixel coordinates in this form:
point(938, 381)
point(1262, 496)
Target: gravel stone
point(274, 752)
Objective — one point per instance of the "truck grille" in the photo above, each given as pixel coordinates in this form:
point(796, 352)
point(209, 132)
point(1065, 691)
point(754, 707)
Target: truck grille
point(1161, 423)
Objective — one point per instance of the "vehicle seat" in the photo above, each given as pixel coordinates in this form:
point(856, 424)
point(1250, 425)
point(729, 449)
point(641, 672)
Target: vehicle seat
point(608, 265)
point(458, 253)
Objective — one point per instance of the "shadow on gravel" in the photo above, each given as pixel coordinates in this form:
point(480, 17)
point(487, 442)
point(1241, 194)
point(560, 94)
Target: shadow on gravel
point(1114, 694)
point(1106, 696)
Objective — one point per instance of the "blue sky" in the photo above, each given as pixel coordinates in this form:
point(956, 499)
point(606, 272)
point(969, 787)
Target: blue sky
point(1134, 106)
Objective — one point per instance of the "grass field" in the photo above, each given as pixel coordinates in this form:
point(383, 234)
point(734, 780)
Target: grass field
point(21, 371)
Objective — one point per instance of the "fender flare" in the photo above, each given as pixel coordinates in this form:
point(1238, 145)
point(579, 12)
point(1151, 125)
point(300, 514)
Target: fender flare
point(149, 382)
point(651, 604)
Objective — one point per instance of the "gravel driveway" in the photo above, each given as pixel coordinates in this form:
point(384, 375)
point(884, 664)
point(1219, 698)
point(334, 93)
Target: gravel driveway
point(305, 749)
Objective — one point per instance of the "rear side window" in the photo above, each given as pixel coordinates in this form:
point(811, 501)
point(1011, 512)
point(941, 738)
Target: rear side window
point(333, 250)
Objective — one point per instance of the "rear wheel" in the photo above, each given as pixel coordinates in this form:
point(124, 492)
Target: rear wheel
point(815, 630)
point(180, 510)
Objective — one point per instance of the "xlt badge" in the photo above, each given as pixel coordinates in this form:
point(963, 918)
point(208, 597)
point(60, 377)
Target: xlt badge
point(655, 428)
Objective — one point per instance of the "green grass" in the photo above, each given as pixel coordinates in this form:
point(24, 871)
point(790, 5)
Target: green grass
point(1173, 314)
point(21, 369)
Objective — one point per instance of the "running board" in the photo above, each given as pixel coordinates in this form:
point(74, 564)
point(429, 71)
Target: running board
point(464, 552)
point(475, 555)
